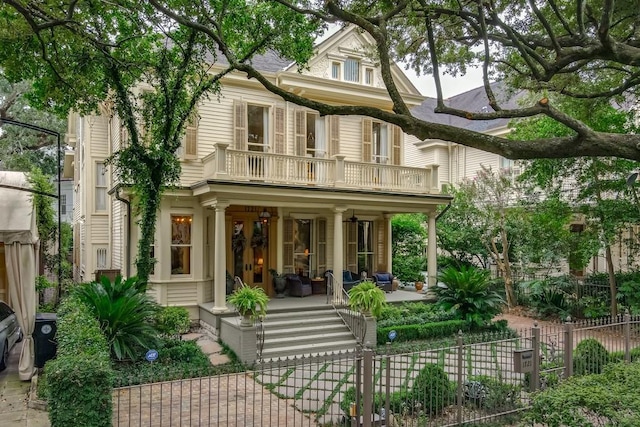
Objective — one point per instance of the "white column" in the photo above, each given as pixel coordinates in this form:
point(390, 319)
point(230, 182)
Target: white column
point(280, 242)
point(338, 257)
point(389, 243)
point(432, 261)
point(220, 264)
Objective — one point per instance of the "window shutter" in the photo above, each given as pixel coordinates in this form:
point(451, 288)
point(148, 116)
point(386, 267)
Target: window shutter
point(240, 125)
point(352, 246)
point(191, 137)
point(301, 132)
point(367, 140)
point(322, 245)
point(334, 135)
point(287, 255)
point(279, 131)
point(396, 143)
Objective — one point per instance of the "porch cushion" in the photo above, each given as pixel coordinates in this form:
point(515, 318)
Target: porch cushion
point(383, 280)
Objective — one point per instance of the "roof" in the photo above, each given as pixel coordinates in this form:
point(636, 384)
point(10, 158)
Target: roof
point(474, 100)
point(18, 219)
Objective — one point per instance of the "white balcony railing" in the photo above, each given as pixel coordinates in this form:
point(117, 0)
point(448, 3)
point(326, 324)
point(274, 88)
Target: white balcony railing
point(237, 165)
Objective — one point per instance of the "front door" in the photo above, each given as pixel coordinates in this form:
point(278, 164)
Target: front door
point(249, 243)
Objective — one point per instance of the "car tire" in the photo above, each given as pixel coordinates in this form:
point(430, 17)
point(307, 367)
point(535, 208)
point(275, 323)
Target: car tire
point(4, 357)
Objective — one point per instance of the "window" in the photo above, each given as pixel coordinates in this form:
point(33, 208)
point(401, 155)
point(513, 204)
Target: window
point(302, 249)
point(335, 70)
point(189, 147)
point(368, 76)
point(101, 188)
point(63, 204)
point(365, 247)
point(181, 244)
point(352, 70)
point(257, 127)
point(380, 143)
point(101, 258)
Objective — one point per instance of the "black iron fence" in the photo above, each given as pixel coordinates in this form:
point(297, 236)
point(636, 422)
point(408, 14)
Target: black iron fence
point(449, 385)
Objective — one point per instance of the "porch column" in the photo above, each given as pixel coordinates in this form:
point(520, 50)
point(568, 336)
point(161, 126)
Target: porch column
point(280, 242)
point(220, 264)
point(338, 261)
point(389, 243)
point(432, 261)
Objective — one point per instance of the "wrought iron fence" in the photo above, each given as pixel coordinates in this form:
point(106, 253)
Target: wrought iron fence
point(464, 382)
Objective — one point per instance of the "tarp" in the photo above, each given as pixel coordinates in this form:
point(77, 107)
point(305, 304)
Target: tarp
point(19, 233)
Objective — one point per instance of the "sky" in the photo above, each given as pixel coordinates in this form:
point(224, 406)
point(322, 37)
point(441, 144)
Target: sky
point(450, 85)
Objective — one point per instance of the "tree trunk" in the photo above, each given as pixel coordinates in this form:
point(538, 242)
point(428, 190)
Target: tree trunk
point(149, 211)
point(612, 281)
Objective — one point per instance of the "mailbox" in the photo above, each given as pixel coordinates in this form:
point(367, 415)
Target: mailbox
point(523, 360)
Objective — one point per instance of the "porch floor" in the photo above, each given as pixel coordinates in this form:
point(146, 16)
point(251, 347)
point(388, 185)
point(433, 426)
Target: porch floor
point(295, 303)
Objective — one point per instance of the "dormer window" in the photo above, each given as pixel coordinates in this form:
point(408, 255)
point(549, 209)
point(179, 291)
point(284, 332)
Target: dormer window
point(335, 70)
point(352, 70)
point(368, 76)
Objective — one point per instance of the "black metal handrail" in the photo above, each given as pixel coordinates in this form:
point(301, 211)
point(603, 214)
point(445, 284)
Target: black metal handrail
point(354, 320)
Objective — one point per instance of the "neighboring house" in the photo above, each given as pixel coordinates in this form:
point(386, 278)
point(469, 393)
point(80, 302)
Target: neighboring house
point(265, 184)
point(457, 162)
point(66, 199)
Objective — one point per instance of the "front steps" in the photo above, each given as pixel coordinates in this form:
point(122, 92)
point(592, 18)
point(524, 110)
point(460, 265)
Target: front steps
point(308, 332)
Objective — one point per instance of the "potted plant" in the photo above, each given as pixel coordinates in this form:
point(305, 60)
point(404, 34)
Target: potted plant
point(250, 302)
point(279, 282)
point(367, 298)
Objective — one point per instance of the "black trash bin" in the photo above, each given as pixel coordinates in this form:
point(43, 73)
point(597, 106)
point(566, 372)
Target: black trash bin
point(44, 337)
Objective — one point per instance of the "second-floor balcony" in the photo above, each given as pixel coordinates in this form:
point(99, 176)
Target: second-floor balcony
point(235, 165)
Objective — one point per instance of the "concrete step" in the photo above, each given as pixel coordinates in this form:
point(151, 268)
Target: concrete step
point(282, 341)
point(308, 349)
point(297, 330)
point(285, 323)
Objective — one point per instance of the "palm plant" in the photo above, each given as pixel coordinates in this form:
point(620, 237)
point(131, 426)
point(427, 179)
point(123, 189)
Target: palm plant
point(125, 313)
point(468, 292)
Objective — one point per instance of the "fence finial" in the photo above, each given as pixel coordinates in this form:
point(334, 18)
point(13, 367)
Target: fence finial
point(568, 319)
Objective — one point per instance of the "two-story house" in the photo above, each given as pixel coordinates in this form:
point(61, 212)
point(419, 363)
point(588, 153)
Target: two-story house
point(265, 184)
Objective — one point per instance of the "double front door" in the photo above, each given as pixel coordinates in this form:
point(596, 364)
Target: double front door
point(250, 250)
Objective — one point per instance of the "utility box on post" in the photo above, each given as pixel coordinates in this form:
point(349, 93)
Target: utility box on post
point(523, 360)
point(44, 338)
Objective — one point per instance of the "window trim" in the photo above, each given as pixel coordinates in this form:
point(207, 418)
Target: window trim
point(182, 245)
point(100, 189)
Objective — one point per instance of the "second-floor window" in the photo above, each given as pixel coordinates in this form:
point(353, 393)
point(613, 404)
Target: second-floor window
point(381, 142)
point(101, 188)
point(63, 204)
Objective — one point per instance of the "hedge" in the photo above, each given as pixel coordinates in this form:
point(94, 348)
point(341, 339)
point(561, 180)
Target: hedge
point(80, 379)
point(423, 331)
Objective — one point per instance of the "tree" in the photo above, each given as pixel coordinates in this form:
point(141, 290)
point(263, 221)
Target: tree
point(594, 187)
point(409, 238)
point(583, 50)
point(22, 149)
point(90, 55)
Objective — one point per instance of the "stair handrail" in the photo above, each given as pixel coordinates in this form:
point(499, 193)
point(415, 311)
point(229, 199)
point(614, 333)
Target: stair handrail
point(353, 320)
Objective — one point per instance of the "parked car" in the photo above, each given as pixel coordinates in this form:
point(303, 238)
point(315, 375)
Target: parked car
point(10, 333)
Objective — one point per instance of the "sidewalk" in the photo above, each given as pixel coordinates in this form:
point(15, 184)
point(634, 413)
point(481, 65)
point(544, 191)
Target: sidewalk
point(14, 395)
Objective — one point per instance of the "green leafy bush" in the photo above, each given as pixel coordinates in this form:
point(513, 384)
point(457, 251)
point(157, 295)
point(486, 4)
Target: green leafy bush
point(492, 395)
point(589, 357)
point(610, 399)
point(553, 296)
point(423, 331)
point(618, 356)
point(432, 389)
point(173, 321)
point(367, 297)
point(80, 379)
point(469, 293)
point(412, 313)
point(125, 313)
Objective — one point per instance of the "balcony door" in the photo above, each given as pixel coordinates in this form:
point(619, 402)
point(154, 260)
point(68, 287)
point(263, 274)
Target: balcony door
point(249, 250)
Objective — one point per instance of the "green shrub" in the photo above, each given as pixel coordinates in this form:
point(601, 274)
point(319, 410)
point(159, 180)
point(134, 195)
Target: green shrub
point(610, 399)
point(589, 357)
point(173, 321)
point(618, 356)
point(553, 296)
point(469, 293)
point(412, 313)
point(422, 331)
point(80, 379)
point(125, 313)
point(432, 389)
point(492, 395)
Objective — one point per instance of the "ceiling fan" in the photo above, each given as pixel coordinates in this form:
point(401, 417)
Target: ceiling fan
point(353, 218)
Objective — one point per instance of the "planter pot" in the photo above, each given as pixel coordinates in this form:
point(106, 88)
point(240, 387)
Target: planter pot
point(419, 286)
point(279, 285)
point(246, 320)
point(394, 284)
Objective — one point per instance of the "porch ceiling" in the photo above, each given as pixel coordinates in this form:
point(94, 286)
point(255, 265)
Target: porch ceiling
point(259, 194)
